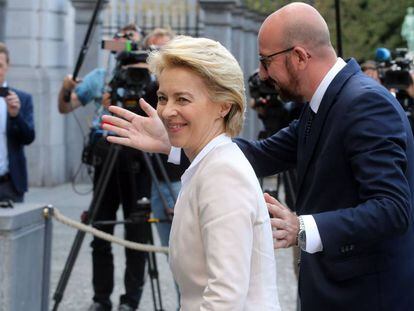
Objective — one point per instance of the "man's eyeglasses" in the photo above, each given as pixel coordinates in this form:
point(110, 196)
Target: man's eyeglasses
point(266, 60)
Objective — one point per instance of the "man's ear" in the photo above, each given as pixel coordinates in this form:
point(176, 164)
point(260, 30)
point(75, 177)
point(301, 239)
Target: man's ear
point(302, 56)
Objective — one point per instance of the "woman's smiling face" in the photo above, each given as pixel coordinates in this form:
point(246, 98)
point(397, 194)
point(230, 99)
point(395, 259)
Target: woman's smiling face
point(191, 118)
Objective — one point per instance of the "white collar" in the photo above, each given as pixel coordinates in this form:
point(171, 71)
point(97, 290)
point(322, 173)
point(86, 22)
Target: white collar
point(217, 141)
point(323, 86)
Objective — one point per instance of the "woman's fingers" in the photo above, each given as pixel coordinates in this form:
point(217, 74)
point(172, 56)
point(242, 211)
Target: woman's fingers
point(119, 140)
point(148, 109)
point(123, 113)
point(115, 121)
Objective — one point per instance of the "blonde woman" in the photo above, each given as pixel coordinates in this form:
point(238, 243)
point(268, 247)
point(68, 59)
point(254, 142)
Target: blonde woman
point(221, 247)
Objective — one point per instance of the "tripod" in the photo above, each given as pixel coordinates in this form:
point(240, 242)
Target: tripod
point(100, 188)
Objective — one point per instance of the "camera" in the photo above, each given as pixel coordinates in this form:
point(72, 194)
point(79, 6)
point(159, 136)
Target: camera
point(273, 112)
point(132, 80)
point(394, 68)
point(4, 91)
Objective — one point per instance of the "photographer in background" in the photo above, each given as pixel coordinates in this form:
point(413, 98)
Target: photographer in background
point(129, 182)
point(369, 67)
point(16, 131)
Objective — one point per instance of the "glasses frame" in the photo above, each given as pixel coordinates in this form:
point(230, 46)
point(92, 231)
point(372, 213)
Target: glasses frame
point(267, 60)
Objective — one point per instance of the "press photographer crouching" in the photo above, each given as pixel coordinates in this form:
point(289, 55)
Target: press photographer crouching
point(129, 181)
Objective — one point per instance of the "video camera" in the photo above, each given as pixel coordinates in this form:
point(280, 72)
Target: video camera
point(394, 68)
point(131, 79)
point(274, 113)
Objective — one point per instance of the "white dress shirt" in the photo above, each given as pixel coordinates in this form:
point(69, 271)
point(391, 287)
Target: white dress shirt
point(221, 246)
point(4, 157)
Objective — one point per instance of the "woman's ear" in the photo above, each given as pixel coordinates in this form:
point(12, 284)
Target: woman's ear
point(224, 109)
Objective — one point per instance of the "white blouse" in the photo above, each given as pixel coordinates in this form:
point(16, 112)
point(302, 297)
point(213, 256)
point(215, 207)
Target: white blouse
point(221, 245)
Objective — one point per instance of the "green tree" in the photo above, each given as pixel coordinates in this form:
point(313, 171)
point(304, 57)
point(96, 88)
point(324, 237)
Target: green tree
point(366, 25)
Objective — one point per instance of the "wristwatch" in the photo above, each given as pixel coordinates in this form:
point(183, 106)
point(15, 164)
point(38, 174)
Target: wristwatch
point(302, 234)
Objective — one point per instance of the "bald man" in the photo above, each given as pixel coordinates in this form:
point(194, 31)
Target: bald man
point(351, 147)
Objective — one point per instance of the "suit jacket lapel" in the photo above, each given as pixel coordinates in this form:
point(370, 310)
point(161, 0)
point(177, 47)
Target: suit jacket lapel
point(306, 150)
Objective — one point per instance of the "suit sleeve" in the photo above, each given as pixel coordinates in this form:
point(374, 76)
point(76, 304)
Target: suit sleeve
point(21, 127)
point(375, 140)
point(274, 154)
point(227, 211)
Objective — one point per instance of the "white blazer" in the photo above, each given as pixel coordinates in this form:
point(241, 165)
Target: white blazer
point(221, 245)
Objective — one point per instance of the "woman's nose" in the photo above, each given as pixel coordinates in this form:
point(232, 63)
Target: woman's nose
point(169, 110)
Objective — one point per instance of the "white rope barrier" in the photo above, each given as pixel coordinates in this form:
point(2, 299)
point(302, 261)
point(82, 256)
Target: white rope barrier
point(103, 235)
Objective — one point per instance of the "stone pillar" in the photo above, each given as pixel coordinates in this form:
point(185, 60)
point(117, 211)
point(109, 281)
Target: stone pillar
point(218, 20)
point(22, 241)
point(34, 32)
point(253, 124)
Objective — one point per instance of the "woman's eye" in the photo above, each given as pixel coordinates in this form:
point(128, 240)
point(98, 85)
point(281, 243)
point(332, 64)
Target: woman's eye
point(162, 99)
point(182, 100)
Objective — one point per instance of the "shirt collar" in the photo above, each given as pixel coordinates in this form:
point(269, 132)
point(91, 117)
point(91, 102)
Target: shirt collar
point(326, 81)
point(217, 141)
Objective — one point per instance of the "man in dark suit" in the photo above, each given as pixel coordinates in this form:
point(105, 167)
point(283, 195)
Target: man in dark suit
point(353, 149)
point(16, 130)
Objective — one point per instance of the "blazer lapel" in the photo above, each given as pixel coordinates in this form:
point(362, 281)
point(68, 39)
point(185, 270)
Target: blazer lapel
point(306, 150)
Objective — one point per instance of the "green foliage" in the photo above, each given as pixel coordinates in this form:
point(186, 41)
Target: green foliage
point(366, 25)
point(264, 6)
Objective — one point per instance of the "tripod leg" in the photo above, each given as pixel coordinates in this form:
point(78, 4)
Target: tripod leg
point(93, 207)
point(153, 273)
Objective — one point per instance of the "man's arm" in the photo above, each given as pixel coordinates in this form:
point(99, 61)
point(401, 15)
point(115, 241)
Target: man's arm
point(20, 124)
point(67, 105)
point(377, 144)
point(274, 154)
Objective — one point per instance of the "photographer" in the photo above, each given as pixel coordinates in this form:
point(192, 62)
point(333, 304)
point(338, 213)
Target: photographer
point(271, 110)
point(129, 182)
point(16, 131)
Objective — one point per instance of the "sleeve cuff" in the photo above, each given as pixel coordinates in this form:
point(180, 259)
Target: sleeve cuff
point(313, 238)
point(175, 155)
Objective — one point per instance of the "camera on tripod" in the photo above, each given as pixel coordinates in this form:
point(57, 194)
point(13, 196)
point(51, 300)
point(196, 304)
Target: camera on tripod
point(273, 112)
point(131, 80)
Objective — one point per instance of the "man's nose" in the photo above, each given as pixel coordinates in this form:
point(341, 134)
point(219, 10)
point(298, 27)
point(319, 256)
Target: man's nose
point(263, 75)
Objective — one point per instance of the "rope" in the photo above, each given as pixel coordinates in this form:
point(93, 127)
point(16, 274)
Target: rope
point(105, 236)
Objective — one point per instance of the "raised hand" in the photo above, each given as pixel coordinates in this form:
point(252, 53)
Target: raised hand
point(140, 132)
point(284, 221)
point(13, 104)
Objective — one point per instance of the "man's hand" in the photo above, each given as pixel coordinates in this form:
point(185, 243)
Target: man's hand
point(106, 100)
point(68, 83)
point(13, 104)
point(140, 132)
point(284, 221)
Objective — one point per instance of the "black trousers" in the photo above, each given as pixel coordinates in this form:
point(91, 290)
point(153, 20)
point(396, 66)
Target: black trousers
point(129, 181)
point(8, 192)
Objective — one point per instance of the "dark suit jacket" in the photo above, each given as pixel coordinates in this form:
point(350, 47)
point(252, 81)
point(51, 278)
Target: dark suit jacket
point(356, 177)
point(20, 132)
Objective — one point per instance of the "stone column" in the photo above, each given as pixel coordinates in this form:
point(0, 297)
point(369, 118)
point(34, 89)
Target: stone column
point(34, 32)
point(218, 20)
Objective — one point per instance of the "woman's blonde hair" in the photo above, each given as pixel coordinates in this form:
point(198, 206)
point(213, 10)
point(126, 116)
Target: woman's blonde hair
point(215, 65)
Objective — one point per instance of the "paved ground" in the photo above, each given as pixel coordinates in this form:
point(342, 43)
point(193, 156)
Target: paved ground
point(78, 293)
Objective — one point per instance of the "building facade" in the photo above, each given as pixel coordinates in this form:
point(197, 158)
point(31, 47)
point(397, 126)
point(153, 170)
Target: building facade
point(45, 37)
